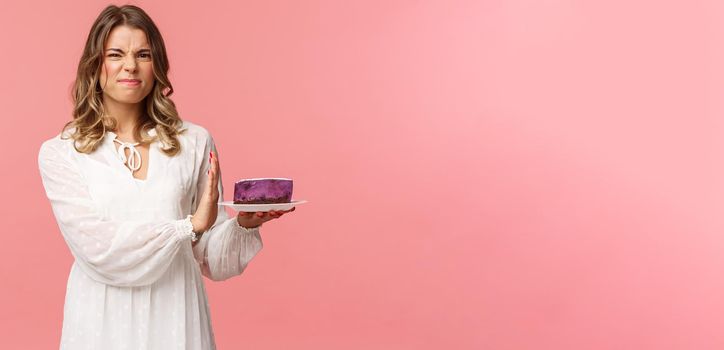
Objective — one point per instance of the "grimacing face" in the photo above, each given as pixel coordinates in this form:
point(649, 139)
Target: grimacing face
point(126, 55)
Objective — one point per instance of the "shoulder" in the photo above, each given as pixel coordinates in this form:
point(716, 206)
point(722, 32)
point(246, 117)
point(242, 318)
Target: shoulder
point(57, 145)
point(197, 133)
point(56, 150)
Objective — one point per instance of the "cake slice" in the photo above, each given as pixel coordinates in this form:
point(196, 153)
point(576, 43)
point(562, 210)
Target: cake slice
point(263, 191)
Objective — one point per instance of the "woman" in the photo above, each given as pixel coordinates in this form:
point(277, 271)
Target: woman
point(135, 191)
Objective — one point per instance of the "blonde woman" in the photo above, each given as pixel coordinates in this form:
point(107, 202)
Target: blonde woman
point(135, 191)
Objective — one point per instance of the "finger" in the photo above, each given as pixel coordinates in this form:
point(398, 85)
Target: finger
point(212, 161)
point(210, 169)
point(210, 182)
point(261, 214)
point(214, 172)
point(212, 179)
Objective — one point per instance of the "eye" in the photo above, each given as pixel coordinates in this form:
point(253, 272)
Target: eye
point(144, 55)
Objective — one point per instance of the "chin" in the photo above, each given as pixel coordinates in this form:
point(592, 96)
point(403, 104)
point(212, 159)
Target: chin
point(128, 98)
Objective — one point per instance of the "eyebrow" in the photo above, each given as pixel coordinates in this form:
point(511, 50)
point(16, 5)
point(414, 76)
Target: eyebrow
point(121, 51)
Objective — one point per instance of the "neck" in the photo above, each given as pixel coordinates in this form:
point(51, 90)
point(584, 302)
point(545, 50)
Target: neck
point(126, 115)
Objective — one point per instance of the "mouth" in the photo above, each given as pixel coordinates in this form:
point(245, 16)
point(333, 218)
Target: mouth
point(130, 82)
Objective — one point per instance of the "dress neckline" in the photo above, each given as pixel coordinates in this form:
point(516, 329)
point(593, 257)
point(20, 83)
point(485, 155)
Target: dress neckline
point(121, 162)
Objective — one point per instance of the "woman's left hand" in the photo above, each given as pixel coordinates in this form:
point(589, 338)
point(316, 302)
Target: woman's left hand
point(254, 219)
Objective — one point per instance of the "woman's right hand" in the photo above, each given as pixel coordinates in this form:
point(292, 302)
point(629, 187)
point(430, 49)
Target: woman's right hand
point(206, 213)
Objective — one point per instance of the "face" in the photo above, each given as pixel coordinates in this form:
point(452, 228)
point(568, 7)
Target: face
point(127, 55)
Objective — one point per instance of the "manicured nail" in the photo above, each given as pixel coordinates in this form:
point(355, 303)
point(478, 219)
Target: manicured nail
point(211, 155)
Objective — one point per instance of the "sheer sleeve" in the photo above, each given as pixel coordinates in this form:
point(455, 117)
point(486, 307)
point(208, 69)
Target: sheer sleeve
point(226, 248)
point(119, 253)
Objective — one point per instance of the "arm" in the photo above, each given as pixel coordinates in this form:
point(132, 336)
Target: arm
point(119, 253)
point(225, 249)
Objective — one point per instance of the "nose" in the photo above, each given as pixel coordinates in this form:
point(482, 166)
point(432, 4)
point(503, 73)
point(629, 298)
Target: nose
point(130, 65)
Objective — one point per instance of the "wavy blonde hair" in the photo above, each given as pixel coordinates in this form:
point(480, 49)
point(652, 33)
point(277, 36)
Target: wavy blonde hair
point(89, 119)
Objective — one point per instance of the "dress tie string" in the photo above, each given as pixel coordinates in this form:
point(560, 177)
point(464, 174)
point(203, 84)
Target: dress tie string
point(134, 159)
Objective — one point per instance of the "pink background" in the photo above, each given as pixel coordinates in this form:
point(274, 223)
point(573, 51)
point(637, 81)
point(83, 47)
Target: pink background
point(510, 174)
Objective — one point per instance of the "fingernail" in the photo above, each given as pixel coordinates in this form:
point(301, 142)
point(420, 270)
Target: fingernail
point(211, 155)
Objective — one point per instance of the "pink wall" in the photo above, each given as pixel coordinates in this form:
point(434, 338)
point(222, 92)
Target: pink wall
point(511, 174)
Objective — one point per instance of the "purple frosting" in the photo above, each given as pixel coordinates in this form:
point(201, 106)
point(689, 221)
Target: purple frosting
point(260, 191)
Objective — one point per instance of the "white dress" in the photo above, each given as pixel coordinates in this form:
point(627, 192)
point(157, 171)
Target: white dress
point(136, 281)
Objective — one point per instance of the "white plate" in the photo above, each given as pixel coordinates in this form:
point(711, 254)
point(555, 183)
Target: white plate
point(262, 207)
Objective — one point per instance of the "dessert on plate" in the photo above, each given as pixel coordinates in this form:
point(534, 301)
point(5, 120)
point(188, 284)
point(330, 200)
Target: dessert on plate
point(263, 191)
